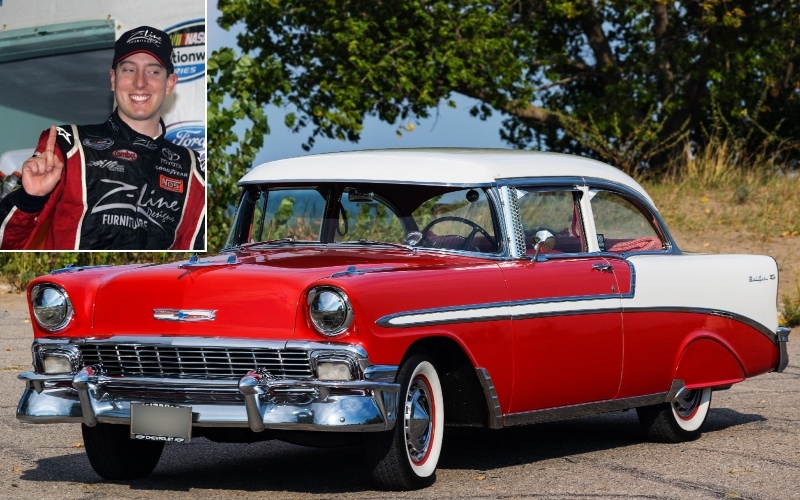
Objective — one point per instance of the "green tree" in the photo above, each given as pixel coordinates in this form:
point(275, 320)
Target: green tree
point(632, 72)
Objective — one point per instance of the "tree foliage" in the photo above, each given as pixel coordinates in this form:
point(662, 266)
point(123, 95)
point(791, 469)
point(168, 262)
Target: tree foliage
point(618, 67)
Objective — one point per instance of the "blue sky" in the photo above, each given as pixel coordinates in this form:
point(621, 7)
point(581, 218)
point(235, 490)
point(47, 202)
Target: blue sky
point(452, 127)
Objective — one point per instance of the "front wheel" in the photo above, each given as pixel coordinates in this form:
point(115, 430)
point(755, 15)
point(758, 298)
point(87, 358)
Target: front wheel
point(678, 421)
point(406, 457)
point(114, 455)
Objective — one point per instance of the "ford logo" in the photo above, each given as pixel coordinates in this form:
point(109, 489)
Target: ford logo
point(188, 134)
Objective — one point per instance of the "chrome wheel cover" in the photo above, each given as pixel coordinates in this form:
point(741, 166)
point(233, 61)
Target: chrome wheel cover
point(686, 404)
point(418, 421)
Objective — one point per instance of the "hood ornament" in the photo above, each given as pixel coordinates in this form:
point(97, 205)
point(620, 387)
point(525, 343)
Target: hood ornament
point(184, 314)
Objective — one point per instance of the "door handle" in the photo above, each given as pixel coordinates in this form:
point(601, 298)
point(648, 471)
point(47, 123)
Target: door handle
point(603, 268)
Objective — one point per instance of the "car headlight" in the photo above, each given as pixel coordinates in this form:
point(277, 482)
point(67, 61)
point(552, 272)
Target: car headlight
point(51, 307)
point(329, 309)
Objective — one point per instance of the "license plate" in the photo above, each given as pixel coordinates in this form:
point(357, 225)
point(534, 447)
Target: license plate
point(161, 422)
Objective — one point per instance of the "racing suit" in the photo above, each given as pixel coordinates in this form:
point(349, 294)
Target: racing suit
point(119, 190)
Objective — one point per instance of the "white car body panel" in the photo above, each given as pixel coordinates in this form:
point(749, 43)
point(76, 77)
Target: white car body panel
point(742, 284)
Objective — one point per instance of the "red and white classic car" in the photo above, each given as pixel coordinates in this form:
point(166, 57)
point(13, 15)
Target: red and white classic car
point(381, 295)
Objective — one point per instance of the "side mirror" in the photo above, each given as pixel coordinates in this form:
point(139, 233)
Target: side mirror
point(544, 240)
point(413, 238)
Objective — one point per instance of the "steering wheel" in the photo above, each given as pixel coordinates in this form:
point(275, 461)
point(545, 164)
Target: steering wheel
point(476, 228)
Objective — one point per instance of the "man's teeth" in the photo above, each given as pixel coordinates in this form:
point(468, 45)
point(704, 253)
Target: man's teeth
point(140, 98)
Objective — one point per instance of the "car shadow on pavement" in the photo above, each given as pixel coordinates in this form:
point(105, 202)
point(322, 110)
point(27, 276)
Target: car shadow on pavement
point(277, 466)
point(484, 450)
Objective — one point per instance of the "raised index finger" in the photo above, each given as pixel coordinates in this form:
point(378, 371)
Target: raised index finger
point(51, 141)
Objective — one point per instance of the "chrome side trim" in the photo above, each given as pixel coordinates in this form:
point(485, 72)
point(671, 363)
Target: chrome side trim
point(495, 420)
point(783, 353)
point(582, 410)
point(494, 311)
point(772, 336)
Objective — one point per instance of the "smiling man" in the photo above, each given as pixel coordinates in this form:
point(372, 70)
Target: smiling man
point(119, 185)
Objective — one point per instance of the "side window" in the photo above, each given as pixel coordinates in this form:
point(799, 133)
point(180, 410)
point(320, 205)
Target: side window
point(621, 227)
point(365, 217)
point(288, 213)
point(458, 220)
point(554, 211)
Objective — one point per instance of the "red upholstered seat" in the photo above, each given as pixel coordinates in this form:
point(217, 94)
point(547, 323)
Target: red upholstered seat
point(637, 245)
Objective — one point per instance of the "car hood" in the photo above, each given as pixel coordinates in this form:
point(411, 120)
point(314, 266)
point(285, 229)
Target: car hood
point(254, 295)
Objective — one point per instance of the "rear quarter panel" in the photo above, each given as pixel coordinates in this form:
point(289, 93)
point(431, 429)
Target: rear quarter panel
point(680, 300)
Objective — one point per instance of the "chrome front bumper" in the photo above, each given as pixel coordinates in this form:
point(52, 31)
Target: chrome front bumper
point(90, 397)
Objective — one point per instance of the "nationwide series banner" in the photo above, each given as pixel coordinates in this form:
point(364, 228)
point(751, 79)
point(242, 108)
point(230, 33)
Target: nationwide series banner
point(186, 124)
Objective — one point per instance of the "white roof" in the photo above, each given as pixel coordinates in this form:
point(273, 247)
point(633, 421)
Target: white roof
point(435, 166)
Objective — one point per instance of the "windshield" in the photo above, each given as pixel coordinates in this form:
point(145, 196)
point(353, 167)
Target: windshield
point(416, 216)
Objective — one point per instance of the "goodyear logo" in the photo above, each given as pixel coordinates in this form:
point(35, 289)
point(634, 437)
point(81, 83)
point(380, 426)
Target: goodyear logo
point(190, 134)
point(189, 49)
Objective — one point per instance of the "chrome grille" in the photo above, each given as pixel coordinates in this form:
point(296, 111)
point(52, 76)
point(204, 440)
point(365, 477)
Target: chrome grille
point(164, 361)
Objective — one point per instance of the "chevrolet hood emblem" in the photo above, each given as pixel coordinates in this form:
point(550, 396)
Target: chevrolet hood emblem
point(184, 314)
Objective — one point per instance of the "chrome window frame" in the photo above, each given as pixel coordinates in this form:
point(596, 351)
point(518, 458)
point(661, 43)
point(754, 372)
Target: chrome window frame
point(573, 183)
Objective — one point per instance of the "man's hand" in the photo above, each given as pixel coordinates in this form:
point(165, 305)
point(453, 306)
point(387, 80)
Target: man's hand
point(40, 174)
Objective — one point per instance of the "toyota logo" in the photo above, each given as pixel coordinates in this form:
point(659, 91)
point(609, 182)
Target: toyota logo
point(171, 155)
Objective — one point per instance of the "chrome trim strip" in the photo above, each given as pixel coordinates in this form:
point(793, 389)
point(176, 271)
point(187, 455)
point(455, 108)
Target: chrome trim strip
point(772, 336)
point(494, 311)
point(204, 342)
point(783, 353)
point(305, 182)
point(495, 420)
point(582, 410)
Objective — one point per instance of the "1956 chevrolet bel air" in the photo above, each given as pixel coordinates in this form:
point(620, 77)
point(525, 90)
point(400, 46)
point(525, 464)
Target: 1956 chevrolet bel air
point(381, 295)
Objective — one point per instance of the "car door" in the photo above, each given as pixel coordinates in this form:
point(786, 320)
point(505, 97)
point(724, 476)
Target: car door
point(566, 311)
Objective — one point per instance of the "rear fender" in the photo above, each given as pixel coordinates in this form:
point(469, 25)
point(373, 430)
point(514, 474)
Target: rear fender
point(707, 361)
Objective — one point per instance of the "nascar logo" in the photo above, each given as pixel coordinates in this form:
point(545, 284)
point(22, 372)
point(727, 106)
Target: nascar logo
point(189, 49)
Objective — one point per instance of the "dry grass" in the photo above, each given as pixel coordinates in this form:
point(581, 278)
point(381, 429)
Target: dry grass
point(731, 202)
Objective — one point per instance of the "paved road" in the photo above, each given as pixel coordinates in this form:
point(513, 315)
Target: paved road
point(751, 449)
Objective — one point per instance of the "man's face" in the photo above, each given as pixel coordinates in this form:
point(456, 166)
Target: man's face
point(140, 85)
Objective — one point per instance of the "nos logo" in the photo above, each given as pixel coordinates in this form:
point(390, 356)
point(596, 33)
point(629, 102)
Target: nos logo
point(188, 134)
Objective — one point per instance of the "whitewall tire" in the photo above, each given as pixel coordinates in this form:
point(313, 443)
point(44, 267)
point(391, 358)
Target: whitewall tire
point(406, 457)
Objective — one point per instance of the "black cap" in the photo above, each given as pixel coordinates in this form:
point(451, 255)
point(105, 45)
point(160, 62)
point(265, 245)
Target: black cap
point(148, 40)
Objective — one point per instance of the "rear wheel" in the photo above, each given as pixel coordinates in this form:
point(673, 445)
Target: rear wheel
point(114, 455)
point(678, 421)
point(406, 457)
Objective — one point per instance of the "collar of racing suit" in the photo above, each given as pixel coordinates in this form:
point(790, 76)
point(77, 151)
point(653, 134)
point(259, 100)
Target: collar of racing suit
point(120, 129)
